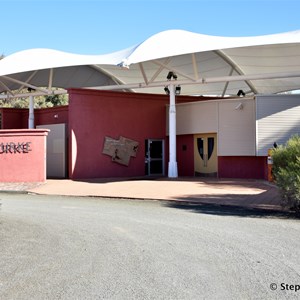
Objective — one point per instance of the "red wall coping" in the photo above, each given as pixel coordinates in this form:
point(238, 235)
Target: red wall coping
point(107, 94)
point(42, 109)
point(20, 132)
point(179, 98)
point(54, 109)
point(13, 109)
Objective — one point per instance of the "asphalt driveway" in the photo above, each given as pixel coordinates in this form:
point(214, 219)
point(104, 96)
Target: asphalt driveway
point(55, 247)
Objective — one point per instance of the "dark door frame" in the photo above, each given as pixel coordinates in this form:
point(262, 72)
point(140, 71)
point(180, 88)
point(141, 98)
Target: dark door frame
point(157, 158)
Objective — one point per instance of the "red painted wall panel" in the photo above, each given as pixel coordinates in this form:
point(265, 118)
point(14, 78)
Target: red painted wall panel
point(12, 118)
point(185, 155)
point(96, 114)
point(248, 167)
point(20, 163)
point(54, 115)
point(18, 118)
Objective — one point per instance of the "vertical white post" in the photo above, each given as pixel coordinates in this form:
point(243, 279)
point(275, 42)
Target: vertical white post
point(172, 168)
point(31, 113)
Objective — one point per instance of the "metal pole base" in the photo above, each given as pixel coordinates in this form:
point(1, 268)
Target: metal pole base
point(172, 170)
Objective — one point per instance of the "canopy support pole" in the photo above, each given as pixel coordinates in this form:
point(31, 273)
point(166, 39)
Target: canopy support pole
point(31, 113)
point(172, 167)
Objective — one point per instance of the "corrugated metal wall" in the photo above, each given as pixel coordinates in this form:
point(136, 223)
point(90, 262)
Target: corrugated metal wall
point(278, 118)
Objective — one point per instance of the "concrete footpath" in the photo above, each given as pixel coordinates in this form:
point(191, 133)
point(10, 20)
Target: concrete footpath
point(244, 193)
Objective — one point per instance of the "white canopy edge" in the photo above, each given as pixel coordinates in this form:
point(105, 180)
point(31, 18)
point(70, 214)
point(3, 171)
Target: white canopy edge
point(160, 49)
point(39, 59)
point(171, 43)
point(179, 42)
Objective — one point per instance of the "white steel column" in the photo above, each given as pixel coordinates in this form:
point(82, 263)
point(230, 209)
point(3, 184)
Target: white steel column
point(172, 168)
point(31, 113)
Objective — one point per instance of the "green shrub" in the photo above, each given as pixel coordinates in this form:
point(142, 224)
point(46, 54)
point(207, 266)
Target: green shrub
point(286, 172)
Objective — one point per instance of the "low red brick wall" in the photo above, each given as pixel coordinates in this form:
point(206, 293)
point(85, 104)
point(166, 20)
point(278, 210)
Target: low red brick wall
point(23, 155)
point(248, 167)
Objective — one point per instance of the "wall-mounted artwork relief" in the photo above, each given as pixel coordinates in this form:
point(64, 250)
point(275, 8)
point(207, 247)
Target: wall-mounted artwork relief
point(120, 150)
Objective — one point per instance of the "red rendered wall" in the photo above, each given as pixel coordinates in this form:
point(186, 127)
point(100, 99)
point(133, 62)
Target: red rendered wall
point(23, 155)
point(248, 167)
point(185, 155)
point(13, 118)
point(54, 115)
point(96, 114)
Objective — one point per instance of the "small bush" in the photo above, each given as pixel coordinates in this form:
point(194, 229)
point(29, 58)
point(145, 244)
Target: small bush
point(286, 172)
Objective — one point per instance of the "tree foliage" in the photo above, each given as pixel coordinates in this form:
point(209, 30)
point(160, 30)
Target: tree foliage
point(57, 100)
point(39, 101)
point(286, 171)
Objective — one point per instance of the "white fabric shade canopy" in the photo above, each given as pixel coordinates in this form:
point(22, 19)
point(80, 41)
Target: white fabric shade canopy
point(43, 69)
point(205, 65)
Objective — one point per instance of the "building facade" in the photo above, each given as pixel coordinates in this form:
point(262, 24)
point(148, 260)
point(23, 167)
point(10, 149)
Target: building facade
point(117, 134)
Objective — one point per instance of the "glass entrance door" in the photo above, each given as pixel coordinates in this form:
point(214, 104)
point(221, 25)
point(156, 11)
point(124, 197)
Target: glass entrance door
point(205, 155)
point(154, 157)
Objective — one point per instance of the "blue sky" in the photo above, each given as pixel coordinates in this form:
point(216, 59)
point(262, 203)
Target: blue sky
point(103, 26)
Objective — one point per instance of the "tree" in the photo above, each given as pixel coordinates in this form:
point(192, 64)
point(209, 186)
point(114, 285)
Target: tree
point(39, 101)
point(286, 171)
point(57, 100)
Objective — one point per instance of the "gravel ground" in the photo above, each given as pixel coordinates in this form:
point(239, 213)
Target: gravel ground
point(20, 186)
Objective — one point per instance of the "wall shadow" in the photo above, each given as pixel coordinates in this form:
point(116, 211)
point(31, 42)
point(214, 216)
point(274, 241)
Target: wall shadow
point(232, 210)
point(116, 179)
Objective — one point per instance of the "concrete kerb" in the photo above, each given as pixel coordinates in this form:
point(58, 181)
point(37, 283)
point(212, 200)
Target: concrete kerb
point(18, 187)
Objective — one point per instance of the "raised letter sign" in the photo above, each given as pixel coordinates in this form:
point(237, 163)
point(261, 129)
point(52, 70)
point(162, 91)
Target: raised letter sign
point(14, 148)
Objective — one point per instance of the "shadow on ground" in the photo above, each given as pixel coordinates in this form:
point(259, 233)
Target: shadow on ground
point(232, 210)
point(117, 179)
point(208, 181)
